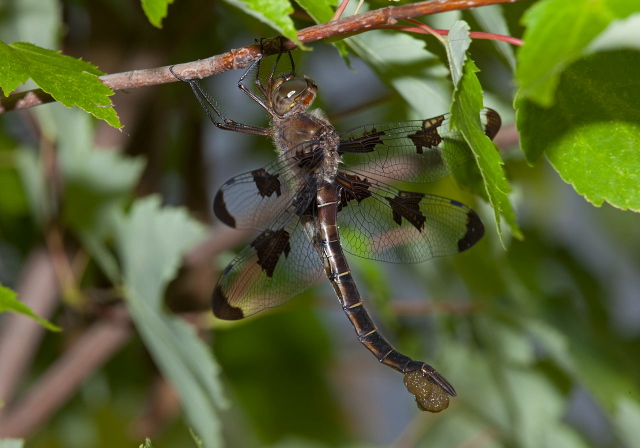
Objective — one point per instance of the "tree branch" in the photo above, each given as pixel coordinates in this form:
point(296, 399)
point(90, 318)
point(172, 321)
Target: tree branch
point(241, 58)
point(54, 387)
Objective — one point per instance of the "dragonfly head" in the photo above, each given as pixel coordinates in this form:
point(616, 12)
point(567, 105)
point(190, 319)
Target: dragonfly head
point(289, 93)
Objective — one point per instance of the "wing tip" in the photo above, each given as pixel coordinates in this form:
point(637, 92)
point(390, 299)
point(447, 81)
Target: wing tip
point(221, 211)
point(493, 123)
point(222, 309)
point(475, 231)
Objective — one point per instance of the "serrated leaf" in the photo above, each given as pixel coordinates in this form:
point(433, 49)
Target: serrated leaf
point(8, 302)
point(151, 242)
point(591, 135)
point(156, 10)
point(70, 81)
point(575, 24)
point(274, 13)
point(465, 115)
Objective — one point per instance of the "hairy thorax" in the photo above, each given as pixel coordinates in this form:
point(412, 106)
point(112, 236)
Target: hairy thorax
point(310, 140)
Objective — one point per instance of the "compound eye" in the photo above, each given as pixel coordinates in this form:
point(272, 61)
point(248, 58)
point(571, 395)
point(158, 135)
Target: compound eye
point(288, 94)
point(290, 89)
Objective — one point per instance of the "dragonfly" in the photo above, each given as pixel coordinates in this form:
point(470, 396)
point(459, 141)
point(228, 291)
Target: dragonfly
point(327, 193)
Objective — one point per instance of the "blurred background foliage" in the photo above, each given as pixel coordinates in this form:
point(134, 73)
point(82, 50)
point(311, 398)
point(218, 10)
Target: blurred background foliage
point(540, 338)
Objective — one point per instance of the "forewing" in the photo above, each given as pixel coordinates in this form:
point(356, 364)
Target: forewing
point(412, 151)
point(383, 223)
point(280, 263)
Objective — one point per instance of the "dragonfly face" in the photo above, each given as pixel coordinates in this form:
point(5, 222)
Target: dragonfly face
point(322, 179)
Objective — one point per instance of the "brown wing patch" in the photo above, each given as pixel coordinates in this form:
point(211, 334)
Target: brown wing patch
point(352, 187)
point(406, 205)
point(269, 245)
point(365, 143)
point(428, 136)
point(266, 183)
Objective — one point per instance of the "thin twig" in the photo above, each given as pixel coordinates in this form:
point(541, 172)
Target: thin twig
point(20, 335)
point(241, 58)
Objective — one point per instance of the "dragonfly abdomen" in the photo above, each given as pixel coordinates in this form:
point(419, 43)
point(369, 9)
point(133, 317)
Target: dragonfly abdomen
point(338, 272)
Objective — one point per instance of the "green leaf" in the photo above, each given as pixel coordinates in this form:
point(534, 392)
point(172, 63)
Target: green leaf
point(151, 242)
point(403, 63)
point(156, 10)
point(320, 11)
point(575, 24)
point(70, 81)
point(274, 13)
point(465, 115)
point(196, 439)
point(8, 302)
point(591, 135)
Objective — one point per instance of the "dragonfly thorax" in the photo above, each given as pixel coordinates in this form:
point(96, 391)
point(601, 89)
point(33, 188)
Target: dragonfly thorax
point(311, 140)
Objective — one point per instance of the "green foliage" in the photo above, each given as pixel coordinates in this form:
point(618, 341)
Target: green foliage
point(274, 13)
point(156, 10)
point(592, 131)
point(8, 302)
point(575, 24)
point(70, 81)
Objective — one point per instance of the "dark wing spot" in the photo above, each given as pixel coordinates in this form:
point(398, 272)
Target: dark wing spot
point(221, 307)
point(407, 205)
point(352, 187)
point(365, 143)
point(269, 245)
point(493, 123)
point(266, 183)
point(221, 211)
point(475, 231)
point(428, 136)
